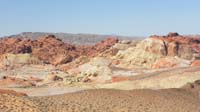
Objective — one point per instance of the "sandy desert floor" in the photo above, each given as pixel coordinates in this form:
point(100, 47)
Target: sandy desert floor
point(105, 100)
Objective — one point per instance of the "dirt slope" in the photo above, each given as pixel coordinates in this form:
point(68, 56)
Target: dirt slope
point(169, 100)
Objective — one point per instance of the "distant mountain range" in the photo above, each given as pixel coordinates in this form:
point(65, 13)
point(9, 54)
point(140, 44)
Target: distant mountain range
point(78, 39)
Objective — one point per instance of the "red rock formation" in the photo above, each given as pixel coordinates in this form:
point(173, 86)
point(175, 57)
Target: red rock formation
point(119, 78)
point(51, 49)
point(99, 47)
point(196, 63)
point(183, 46)
point(12, 92)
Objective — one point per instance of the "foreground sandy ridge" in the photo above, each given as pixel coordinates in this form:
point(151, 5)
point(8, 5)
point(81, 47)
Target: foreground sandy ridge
point(104, 100)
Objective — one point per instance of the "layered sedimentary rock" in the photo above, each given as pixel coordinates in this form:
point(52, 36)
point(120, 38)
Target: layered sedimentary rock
point(52, 50)
point(173, 50)
point(136, 56)
point(175, 45)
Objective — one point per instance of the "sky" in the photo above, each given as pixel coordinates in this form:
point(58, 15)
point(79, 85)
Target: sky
point(116, 17)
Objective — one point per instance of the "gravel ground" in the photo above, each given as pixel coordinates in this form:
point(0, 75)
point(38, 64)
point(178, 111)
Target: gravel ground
point(104, 100)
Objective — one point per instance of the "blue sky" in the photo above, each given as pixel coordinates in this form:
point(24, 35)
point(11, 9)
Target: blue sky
point(120, 17)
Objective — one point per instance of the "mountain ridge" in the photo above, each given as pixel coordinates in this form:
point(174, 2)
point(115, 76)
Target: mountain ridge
point(77, 39)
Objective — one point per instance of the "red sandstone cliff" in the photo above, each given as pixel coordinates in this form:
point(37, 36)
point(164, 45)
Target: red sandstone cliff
point(177, 45)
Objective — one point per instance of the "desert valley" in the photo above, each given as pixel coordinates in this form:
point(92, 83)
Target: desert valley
point(48, 73)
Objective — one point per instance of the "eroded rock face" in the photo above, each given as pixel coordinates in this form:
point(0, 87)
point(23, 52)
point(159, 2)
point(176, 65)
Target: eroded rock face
point(168, 51)
point(136, 57)
point(52, 50)
point(174, 45)
point(152, 45)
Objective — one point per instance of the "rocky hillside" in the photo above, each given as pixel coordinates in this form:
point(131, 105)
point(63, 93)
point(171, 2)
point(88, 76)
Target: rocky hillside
point(50, 49)
point(47, 74)
point(107, 100)
point(176, 45)
point(48, 61)
point(160, 52)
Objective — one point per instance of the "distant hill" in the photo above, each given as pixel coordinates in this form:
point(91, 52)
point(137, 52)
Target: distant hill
point(78, 39)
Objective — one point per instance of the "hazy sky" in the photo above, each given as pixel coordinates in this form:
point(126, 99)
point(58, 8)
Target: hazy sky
point(121, 17)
